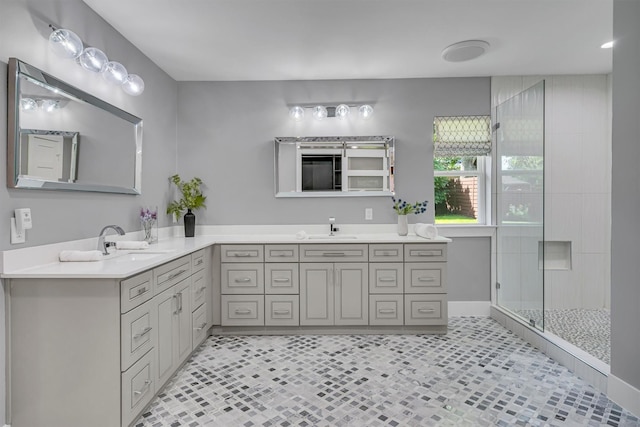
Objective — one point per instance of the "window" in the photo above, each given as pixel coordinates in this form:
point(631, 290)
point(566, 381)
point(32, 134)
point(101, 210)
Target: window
point(462, 145)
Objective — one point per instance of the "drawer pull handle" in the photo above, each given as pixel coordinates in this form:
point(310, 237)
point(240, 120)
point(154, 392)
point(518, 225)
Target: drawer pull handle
point(144, 332)
point(426, 279)
point(142, 291)
point(177, 304)
point(201, 327)
point(386, 253)
point(333, 254)
point(242, 254)
point(427, 253)
point(281, 280)
point(281, 311)
point(199, 291)
point(279, 254)
point(143, 390)
point(174, 275)
point(386, 311)
point(242, 280)
point(426, 310)
point(199, 261)
point(242, 311)
point(387, 279)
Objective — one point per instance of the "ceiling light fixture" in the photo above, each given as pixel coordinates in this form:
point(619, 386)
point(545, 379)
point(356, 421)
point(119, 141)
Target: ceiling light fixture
point(607, 45)
point(67, 44)
point(321, 112)
point(465, 50)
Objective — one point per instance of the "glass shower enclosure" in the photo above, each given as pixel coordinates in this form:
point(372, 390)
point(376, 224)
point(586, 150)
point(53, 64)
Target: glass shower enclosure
point(519, 131)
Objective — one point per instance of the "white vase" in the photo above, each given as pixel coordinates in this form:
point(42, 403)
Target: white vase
point(403, 227)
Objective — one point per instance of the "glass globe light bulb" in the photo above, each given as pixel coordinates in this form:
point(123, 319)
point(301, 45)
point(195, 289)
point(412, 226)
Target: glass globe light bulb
point(114, 72)
point(65, 43)
point(365, 111)
point(28, 105)
point(93, 59)
point(343, 111)
point(320, 112)
point(49, 105)
point(296, 113)
point(133, 85)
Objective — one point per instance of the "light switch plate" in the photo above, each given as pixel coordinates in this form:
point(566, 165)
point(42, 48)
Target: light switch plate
point(15, 236)
point(368, 214)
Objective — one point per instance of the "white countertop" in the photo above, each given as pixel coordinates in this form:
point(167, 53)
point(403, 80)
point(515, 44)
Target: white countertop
point(166, 249)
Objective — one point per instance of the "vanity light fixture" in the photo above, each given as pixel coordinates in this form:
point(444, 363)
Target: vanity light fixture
point(66, 44)
point(48, 105)
point(321, 112)
point(28, 104)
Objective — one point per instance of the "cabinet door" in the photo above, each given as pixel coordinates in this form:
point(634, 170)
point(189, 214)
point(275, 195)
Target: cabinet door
point(316, 294)
point(167, 305)
point(182, 322)
point(351, 295)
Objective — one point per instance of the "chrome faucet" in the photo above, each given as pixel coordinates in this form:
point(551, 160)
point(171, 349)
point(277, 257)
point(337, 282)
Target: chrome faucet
point(332, 227)
point(102, 245)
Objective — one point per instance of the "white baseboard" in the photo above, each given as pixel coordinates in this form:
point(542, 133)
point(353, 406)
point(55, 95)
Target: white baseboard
point(469, 308)
point(624, 394)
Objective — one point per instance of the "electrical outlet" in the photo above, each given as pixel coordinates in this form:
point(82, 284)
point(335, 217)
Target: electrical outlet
point(368, 214)
point(15, 236)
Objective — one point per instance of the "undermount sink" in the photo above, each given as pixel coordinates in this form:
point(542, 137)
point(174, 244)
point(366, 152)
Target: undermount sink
point(334, 237)
point(136, 256)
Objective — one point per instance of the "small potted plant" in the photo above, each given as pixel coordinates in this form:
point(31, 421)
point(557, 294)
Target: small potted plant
point(192, 199)
point(403, 209)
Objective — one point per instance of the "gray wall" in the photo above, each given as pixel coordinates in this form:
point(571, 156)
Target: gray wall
point(226, 131)
point(625, 200)
point(61, 216)
point(469, 269)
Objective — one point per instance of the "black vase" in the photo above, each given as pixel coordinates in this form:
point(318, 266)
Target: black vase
point(189, 224)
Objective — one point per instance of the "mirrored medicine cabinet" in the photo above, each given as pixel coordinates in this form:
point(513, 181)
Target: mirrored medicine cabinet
point(334, 166)
point(62, 138)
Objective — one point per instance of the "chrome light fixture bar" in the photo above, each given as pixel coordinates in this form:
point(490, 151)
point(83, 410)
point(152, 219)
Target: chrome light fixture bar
point(321, 112)
point(66, 44)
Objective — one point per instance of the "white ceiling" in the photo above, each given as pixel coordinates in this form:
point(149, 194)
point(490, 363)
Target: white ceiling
point(194, 40)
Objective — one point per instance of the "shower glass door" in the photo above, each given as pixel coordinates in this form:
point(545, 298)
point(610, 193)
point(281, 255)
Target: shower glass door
point(520, 205)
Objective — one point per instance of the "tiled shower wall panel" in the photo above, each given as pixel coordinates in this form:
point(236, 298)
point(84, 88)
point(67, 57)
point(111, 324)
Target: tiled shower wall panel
point(577, 182)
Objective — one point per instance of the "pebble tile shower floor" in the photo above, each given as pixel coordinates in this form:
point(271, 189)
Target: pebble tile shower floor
point(479, 374)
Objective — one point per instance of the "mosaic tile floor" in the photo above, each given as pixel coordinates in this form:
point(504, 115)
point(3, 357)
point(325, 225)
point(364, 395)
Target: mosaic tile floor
point(587, 329)
point(479, 374)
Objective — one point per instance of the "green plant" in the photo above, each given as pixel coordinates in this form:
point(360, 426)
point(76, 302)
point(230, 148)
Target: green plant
point(192, 197)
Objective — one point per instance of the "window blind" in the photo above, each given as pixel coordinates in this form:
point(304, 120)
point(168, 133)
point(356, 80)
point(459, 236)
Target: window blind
point(462, 136)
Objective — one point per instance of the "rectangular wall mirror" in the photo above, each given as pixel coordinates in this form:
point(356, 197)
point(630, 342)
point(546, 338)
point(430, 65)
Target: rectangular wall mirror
point(61, 138)
point(334, 166)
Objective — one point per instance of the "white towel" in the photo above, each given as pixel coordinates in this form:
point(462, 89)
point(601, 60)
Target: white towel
point(132, 244)
point(428, 231)
point(67, 256)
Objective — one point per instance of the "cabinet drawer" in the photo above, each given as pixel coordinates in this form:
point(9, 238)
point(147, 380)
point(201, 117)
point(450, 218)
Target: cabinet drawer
point(385, 252)
point(281, 253)
point(242, 278)
point(334, 253)
point(198, 289)
point(425, 252)
point(242, 310)
point(197, 261)
point(386, 310)
point(138, 387)
point(281, 278)
point(135, 290)
point(136, 333)
point(242, 253)
point(386, 278)
point(425, 277)
point(425, 309)
point(171, 273)
point(282, 310)
point(199, 324)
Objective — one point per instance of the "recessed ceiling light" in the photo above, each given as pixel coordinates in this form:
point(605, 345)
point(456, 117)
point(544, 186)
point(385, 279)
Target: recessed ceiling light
point(607, 45)
point(465, 50)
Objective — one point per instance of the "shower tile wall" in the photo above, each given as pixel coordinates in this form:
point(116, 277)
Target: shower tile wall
point(577, 184)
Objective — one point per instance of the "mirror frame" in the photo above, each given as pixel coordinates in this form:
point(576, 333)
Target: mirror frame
point(17, 69)
point(387, 141)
